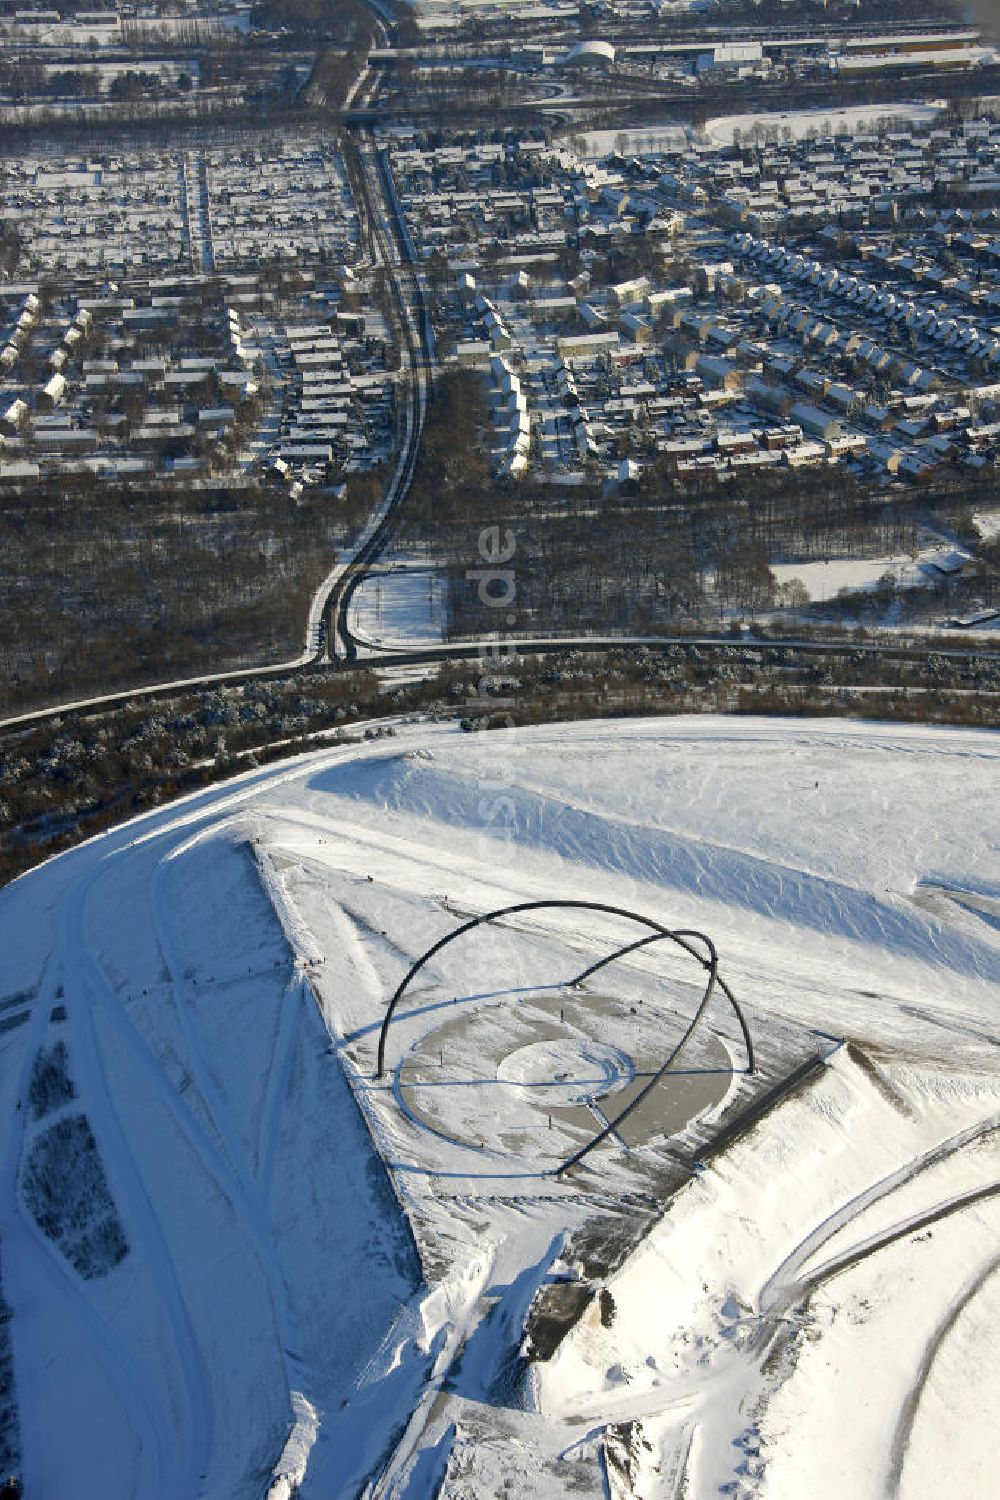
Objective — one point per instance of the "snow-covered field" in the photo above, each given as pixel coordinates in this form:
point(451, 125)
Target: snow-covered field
point(406, 605)
point(238, 1263)
point(824, 580)
point(987, 523)
point(722, 130)
point(863, 119)
point(598, 143)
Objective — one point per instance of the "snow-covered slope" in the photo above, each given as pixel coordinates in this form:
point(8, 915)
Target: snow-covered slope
point(238, 1262)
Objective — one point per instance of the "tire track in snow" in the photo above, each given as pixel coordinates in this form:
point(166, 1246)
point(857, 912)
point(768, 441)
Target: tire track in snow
point(252, 1185)
point(908, 1413)
point(196, 1135)
point(27, 1252)
point(21, 1230)
point(195, 1438)
point(787, 1272)
point(296, 995)
point(801, 1291)
point(197, 1061)
point(432, 859)
point(701, 868)
point(109, 1350)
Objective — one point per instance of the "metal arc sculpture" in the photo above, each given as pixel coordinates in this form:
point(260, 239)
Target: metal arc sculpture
point(684, 938)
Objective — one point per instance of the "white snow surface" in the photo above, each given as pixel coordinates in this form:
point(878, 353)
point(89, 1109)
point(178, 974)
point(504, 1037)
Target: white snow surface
point(598, 143)
point(987, 523)
point(721, 130)
point(328, 1274)
point(824, 580)
point(861, 118)
point(405, 605)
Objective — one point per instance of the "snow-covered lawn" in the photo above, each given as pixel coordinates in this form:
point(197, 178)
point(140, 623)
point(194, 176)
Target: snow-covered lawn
point(987, 523)
point(328, 1274)
point(824, 580)
point(599, 143)
point(404, 606)
point(863, 118)
point(721, 130)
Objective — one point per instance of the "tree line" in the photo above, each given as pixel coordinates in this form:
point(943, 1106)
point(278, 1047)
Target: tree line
point(659, 553)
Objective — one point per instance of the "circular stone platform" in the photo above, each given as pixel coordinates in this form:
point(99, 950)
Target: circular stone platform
point(565, 1070)
point(524, 1074)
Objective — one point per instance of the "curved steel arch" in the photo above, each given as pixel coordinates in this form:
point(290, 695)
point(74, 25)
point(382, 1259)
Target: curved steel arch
point(657, 937)
point(658, 933)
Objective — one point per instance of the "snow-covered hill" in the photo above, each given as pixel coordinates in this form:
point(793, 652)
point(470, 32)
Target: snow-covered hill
point(236, 1261)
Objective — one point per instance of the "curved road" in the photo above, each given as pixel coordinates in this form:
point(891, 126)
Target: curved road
point(489, 653)
point(391, 248)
